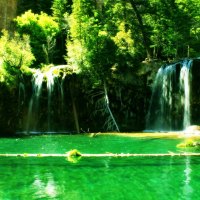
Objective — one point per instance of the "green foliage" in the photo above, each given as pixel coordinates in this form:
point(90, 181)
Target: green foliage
point(171, 24)
point(60, 10)
point(42, 30)
point(165, 28)
point(99, 43)
point(100, 38)
point(124, 41)
point(83, 32)
point(15, 56)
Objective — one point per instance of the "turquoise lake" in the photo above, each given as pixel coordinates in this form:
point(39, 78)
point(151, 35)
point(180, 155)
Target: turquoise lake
point(128, 178)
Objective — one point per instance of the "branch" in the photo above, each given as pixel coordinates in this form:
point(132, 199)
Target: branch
point(142, 27)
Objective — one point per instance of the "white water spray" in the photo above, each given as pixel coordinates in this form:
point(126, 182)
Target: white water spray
point(34, 102)
point(185, 78)
point(39, 78)
point(170, 102)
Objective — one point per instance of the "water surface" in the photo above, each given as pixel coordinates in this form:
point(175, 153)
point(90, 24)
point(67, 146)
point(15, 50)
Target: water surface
point(146, 178)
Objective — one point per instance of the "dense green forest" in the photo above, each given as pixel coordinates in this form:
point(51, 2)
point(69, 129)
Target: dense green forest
point(111, 50)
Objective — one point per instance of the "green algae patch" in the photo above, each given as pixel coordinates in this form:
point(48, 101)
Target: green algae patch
point(188, 143)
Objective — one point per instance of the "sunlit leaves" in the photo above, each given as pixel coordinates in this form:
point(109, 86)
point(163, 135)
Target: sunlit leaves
point(76, 54)
point(60, 13)
point(123, 39)
point(172, 25)
point(48, 25)
point(100, 36)
point(15, 55)
point(41, 25)
point(42, 30)
point(83, 29)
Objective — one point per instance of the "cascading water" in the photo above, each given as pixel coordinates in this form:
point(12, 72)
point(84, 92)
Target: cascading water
point(170, 102)
point(41, 108)
point(185, 78)
point(50, 86)
point(34, 102)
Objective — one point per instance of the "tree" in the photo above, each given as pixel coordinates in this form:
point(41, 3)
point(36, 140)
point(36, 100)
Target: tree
point(146, 42)
point(42, 30)
point(15, 57)
point(170, 27)
point(60, 12)
point(90, 48)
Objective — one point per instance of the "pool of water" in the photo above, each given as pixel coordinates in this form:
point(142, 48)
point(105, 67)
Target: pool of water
point(23, 178)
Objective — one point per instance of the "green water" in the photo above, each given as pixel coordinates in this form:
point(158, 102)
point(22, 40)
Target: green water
point(96, 178)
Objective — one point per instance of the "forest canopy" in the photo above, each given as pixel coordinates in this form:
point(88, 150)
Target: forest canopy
point(102, 35)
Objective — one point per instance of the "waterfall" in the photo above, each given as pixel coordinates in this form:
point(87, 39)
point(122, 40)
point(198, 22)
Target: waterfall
point(185, 78)
point(170, 102)
point(33, 110)
point(47, 108)
point(50, 87)
point(34, 106)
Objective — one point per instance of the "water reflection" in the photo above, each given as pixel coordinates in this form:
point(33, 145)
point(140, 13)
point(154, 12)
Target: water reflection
point(187, 188)
point(44, 188)
point(114, 178)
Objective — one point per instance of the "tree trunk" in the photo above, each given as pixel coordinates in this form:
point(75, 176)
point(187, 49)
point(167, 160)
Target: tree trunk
point(142, 28)
point(74, 108)
point(103, 155)
point(108, 107)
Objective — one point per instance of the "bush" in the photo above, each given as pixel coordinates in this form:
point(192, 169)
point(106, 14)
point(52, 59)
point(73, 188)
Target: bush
point(15, 56)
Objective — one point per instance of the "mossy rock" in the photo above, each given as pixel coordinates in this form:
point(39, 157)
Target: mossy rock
point(73, 152)
point(189, 143)
point(73, 156)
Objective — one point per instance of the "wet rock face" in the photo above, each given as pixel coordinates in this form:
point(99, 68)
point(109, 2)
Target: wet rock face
point(8, 111)
point(195, 93)
point(127, 102)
